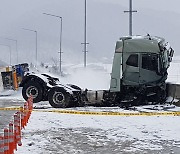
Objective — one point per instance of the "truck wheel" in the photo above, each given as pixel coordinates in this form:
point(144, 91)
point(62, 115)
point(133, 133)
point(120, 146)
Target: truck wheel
point(33, 89)
point(59, 98)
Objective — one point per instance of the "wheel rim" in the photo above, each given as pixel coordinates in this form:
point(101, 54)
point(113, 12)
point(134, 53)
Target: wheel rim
point(32, 91)
point(59, 98)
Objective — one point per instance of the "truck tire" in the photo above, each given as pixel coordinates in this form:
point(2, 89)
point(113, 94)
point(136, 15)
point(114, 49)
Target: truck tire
point(33, 89)
point(59, 98)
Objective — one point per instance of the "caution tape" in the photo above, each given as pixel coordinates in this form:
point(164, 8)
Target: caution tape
point(175, 113)
point(11, 108)
point(113, 113)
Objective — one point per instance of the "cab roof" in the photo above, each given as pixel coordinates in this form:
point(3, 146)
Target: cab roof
point(139, 44)
point(139, 37)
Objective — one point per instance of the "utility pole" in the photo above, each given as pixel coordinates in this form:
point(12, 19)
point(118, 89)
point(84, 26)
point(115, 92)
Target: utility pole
point(85, 35)
point(16, 46)
point(60, 43)
point(9, 52)
point(131, 11)
point(36, 41)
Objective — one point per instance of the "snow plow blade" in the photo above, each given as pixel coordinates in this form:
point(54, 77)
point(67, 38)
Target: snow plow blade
point(173, 90)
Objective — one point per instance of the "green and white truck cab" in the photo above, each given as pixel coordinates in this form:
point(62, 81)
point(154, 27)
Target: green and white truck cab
point(140, 64)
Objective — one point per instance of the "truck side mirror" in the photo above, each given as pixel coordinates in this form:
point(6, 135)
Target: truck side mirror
point(171, 53)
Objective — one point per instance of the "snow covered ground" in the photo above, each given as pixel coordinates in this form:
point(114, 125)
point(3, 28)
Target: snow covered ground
point(56, 133)
point(72, 134)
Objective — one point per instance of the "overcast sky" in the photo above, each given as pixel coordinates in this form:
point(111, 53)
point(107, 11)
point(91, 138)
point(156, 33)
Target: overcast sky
point(106, 22)
point(167, 5)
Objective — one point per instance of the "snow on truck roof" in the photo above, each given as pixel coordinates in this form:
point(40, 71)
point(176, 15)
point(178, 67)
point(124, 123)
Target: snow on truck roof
point(139, 37)
point(139, 44)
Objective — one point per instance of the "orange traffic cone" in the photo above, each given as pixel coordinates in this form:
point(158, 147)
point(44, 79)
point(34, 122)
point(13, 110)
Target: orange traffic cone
point(15, 131)
point(19, 129)
point(6, 141)
point(11, 139)
point(1, 144)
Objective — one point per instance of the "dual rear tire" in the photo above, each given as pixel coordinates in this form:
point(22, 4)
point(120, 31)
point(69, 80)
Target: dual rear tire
point(59, 98)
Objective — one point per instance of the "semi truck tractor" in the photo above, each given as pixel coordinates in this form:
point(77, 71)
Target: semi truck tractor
point(139, 72)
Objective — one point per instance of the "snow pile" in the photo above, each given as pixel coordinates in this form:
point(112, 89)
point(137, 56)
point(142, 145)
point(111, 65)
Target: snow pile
point(174, 73)
point(12, 95)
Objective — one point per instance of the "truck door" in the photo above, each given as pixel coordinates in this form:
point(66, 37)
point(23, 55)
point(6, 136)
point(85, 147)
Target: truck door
point(131, 69)
point(149, 68)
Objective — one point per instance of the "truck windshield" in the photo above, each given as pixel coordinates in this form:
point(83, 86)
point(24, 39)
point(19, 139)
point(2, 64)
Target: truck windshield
point(150, 62)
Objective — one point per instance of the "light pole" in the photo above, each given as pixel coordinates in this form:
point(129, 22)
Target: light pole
point(60, 42)
point(9, 51)
point(130, 16)
point(85, 34)
point(16, 46)
point(36, 40)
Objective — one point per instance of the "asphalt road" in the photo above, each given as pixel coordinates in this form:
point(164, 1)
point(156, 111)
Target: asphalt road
point(7, 116)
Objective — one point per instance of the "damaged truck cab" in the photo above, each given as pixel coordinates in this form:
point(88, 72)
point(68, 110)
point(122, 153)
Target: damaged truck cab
point(139, 70)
